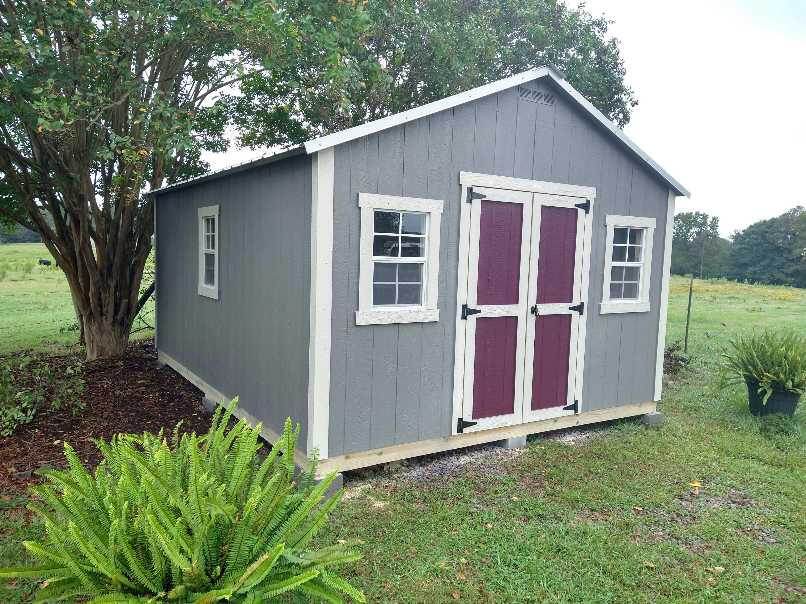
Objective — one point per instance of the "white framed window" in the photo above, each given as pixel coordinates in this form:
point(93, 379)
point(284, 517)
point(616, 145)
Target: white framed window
point(208, 251)
point(399, 259)
point(628, 264)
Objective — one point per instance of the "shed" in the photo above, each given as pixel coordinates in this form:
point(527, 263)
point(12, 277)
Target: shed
point(483, 267)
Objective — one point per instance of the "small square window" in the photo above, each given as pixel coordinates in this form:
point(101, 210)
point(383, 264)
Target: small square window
point(398, 264)
point(626, 286)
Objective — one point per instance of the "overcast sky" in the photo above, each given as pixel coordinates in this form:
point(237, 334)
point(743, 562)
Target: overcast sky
point(721, 86)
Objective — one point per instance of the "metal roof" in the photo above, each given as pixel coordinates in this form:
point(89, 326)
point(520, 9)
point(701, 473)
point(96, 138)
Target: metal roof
point(343, 136)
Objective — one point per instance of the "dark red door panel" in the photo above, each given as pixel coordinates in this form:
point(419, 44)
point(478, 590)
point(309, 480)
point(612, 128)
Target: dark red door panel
point(494, 379)
point(552, 348)
point(499, 252)
point(555, 267)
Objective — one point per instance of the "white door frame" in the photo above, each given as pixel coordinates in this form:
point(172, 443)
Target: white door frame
point(563, 308)
point(498, 310)
point(469, 182)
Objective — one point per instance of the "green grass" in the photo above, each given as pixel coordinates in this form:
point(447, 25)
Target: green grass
point(35, 307)
point(610, 520)
point(34, 300)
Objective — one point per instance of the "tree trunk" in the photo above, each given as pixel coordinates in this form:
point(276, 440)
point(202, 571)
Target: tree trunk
point(105, 338)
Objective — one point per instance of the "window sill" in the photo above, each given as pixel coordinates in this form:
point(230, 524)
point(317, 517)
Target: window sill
point(607, 308)
point(208, 292)
point(396, 315)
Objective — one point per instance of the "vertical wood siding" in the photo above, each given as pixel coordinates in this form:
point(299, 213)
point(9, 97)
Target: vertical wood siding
point(393, 383)
point(253, 341)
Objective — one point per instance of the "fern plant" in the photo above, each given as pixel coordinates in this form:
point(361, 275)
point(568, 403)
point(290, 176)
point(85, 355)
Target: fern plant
point(776, 362)
point(186, 519)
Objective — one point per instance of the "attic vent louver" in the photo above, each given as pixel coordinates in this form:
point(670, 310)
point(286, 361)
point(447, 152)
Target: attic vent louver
point(535, 96)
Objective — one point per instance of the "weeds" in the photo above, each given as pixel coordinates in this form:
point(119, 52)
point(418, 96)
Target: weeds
point(28, 383)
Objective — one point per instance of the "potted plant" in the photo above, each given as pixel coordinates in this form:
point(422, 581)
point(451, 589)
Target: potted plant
point(773, 365)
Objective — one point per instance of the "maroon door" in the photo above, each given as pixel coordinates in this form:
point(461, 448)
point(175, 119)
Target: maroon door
point(497, 290)
point(555, 293)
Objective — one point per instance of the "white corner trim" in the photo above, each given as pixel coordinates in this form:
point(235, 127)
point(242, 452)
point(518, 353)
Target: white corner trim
point(321, 301)
point(367, 314)
point(473, 179)
point(208, 291)
point(664, 295)
point(642, 304)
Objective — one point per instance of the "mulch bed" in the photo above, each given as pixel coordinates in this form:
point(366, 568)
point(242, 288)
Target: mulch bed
point(130, 394)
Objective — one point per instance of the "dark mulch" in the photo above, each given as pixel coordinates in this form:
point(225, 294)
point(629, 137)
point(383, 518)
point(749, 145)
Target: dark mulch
point(130, 394)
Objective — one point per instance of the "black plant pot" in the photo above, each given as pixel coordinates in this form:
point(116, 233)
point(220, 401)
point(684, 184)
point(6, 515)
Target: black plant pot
point(780, 401)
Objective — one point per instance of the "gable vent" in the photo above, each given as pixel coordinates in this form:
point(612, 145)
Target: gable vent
point(535, 96)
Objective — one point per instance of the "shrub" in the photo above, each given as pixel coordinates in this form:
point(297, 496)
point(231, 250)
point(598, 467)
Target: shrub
point(775, 361)
point(17, 406)
point(196, 520)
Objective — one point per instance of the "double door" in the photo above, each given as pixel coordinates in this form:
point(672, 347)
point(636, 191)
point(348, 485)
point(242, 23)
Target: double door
point(523, 307)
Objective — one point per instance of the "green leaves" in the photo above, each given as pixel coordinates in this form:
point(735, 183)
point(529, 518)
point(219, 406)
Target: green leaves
point(196, 520)
point(776, 361)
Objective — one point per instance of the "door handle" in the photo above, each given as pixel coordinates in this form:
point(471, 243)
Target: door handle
point(534, 310)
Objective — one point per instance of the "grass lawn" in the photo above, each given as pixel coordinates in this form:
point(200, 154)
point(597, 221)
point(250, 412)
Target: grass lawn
point(611, 518)
point(35, 306)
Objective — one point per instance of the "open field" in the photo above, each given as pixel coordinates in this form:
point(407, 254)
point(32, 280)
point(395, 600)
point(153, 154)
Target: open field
point(603, 515)
point(35, 307)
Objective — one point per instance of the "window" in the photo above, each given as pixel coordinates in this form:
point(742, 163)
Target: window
point(208, 251)
point(399, 259)
point(628, 263)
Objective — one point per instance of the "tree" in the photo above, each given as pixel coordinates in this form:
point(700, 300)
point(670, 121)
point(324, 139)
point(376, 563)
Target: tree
point(101, 100)
point(697, 248)
point(772, 251)
point(418, 51)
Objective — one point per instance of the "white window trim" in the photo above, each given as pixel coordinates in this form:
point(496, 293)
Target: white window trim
point(367, 314)
point(609, 306)
point(209, 291)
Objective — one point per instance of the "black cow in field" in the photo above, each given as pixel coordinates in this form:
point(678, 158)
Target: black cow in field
point(43, 262)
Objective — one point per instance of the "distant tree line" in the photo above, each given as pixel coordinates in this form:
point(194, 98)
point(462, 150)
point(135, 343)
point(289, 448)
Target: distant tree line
point(769, 251)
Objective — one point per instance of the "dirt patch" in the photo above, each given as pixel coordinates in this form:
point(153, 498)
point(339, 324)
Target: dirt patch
point(130, 394)
point(733, 499)
point(759, 534)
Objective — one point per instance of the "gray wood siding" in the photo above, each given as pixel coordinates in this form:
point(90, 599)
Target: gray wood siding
point(393, 384)
point(253, 341)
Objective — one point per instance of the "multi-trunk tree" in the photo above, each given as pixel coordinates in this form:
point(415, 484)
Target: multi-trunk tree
point(104, 100)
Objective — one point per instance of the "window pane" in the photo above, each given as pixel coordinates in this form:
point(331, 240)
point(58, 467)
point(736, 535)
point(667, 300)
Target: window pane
point(619, 253)
point(209, 269)
point(408, 293)
point(615, 291)
point(631, 291)
point(631, 273)
point(636, 236)
point(387, 222)
point(410, 273)
point(620, 235)
point(385, 272)
point(383, 294)
point(617, 273)
point(386, 245)
point(634, 253)
point(413, 224)
point(413, 247)
point(212, 242)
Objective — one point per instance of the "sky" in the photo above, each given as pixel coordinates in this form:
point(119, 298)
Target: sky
point(721, 86)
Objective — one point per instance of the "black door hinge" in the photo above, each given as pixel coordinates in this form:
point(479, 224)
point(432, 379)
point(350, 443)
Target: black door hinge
point(467, 311)
point(572, 407)
point(580, 308)
point(534, 310)
point(461, 424)
point(471, 195)
point(585, 205)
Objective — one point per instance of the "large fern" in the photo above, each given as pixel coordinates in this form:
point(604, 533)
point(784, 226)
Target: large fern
point(190, 519)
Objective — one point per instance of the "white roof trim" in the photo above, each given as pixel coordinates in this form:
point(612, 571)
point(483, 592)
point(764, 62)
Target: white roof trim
point(337, 138)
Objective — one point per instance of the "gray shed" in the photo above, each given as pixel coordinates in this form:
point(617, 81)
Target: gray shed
point(484, 267)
